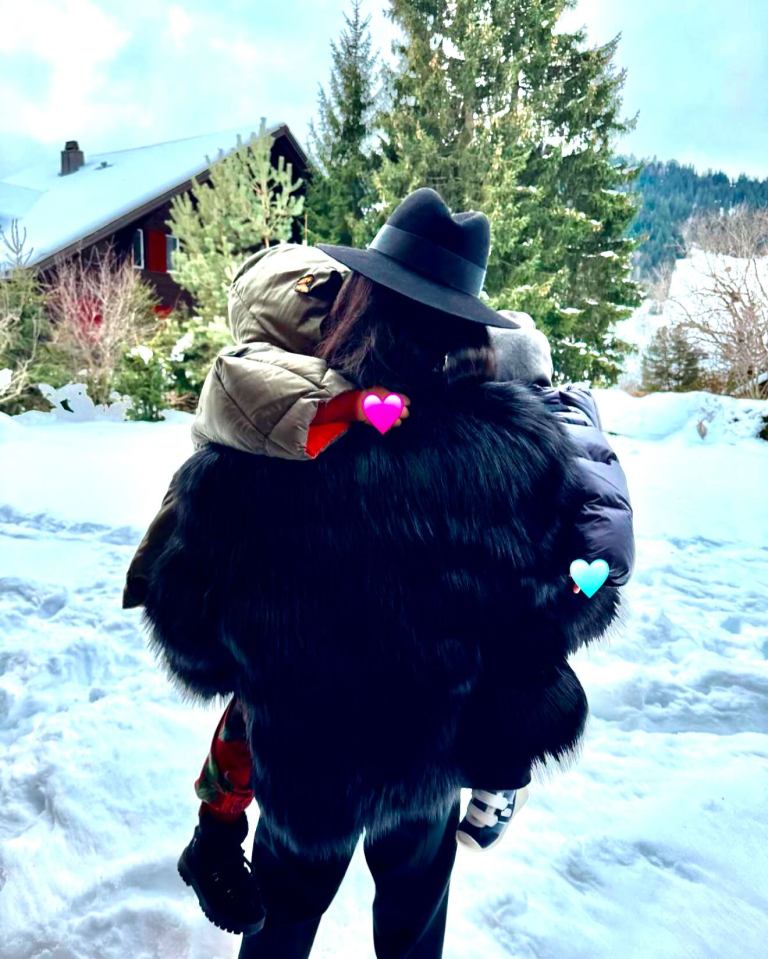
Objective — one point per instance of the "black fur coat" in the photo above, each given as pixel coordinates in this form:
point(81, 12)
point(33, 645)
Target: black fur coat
point(396, 614)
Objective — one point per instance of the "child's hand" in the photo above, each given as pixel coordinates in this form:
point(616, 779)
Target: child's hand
point(381, 392)
point(575, 588)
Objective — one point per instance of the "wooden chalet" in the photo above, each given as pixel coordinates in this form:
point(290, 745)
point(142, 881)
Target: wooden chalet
point(122, 198)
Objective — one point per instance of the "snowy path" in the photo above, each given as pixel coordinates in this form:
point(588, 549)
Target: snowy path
point(652, 847)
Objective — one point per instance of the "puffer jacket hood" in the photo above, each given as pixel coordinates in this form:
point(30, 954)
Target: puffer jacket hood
point(262, 394)
point(269, 303)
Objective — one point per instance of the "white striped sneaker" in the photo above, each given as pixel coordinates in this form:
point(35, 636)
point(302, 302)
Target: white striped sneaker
point(488, 815)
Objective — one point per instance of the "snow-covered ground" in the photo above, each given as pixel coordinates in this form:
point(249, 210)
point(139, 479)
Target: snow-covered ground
point(654, 846)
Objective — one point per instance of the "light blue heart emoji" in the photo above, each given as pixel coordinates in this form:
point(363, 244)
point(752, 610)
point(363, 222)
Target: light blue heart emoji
point(589, 577)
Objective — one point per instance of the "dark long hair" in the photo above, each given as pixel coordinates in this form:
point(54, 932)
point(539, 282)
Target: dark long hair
point(373, 335)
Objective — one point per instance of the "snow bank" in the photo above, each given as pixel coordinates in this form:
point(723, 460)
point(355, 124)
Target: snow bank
point(8, 426)
point(665, 415)
point(70, 470)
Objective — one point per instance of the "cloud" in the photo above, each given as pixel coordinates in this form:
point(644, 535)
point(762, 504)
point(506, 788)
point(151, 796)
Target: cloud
point(695, 72)
point(53, 73)
point(179, 26)
point(60, 31)
point(247, 55)
point(114, 75)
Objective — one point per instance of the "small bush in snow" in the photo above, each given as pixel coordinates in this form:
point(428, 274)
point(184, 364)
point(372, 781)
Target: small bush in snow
point(191, 343)
point(23, 325)
point(143, 377)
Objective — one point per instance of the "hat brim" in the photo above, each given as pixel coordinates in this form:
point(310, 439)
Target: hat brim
point(388, 272)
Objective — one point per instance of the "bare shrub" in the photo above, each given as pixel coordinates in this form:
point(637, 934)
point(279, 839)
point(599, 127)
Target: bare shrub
point(741, 232)
point(728, 315)
point(656, 287)
point(100, 307)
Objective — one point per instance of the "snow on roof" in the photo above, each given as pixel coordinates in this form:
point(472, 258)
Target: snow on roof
point(57, 211)
point(15, 201)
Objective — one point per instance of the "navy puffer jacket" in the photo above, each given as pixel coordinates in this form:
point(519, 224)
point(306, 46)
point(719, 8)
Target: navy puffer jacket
point(604, 528)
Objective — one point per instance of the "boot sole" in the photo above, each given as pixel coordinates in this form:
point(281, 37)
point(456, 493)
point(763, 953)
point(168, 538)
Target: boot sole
point(235, 928)
point(471, 843)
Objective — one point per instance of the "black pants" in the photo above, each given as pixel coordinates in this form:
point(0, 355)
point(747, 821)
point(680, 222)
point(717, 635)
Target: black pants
point(411, 868)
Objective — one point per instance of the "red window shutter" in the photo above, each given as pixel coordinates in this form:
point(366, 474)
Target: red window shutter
point(157, 261)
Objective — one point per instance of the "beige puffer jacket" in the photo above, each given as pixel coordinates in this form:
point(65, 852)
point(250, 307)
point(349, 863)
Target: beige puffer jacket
point(261, 395)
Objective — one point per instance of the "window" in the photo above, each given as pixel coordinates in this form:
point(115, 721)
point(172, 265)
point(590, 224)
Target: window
point(171, 245)
point(153, 250)
point(138, 249)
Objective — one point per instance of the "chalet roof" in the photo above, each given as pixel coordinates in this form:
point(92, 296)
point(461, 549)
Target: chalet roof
point(58, 212)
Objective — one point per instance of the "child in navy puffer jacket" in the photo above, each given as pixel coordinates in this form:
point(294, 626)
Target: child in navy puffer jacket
point(603, 530)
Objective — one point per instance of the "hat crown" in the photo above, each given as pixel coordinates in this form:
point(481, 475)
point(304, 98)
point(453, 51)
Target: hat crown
point(430, 255)
point(424, 213)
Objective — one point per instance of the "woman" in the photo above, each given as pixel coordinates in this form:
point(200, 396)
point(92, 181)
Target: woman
point(395, 616)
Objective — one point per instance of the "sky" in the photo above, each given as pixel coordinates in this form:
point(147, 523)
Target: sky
point(114, 75)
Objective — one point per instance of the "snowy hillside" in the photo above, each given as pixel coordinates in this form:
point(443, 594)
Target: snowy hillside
point(654, 846)
point(689, 294)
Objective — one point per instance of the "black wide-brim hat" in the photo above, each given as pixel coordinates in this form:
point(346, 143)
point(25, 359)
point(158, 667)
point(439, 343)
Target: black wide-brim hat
point(430, 255)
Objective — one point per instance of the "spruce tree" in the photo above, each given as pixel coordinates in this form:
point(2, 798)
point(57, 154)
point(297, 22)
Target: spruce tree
point(247, 204)
point(671, 362)
point(493, 108)
point(657, 363)
point(340, 189)
point(687, 360)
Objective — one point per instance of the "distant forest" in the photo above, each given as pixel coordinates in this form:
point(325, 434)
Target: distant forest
point(670, 193)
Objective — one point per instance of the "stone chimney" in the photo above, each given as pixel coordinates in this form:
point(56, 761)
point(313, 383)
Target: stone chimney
point(71, 157)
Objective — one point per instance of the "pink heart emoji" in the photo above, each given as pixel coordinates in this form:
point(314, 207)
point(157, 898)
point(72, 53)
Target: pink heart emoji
point(382, 413)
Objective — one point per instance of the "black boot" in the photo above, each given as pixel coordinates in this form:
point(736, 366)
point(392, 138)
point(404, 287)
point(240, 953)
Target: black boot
point(214, 865)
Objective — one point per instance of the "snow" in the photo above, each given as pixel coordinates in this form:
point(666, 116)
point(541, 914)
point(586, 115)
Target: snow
point(59, 210)
point(652, 844)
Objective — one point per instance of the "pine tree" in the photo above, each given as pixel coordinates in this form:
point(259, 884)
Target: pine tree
point(340, 189)
point(498, 112)
point(657, 363)
point(247, 204)
point(671, 363)
point(687, 361)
